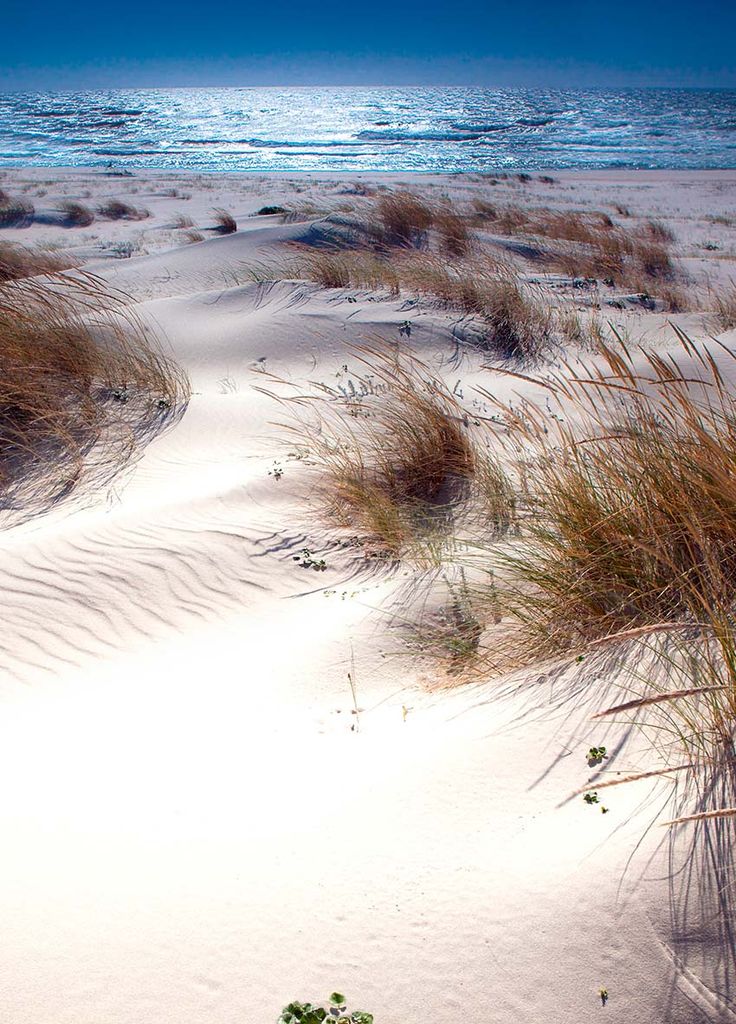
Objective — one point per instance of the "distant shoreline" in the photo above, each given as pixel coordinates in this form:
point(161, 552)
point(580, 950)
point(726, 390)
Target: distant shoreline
point(603, 174)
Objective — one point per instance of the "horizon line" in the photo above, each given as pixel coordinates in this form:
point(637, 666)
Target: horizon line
point(384, 85)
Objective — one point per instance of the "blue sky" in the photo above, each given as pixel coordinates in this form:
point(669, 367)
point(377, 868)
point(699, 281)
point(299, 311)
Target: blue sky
point(136, 43)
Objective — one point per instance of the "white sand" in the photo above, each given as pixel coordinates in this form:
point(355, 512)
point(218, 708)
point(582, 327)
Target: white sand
point(191, 830)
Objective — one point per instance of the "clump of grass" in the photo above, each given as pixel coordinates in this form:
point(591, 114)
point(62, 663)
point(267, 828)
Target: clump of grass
point(193, 236)
point(116, 209)
point(572, 328)
point(632, 495)
point(17, 261)
point(76, 214)
point(402, 219)
point(520, 329)
point(484, 211)
point(225, 223)
point(725, 308)
point(453, 231)
point(357, 269)
point(590, 245)
point(727, 222)
point(269, 211)
point(392, 449)
point(15, 212)
point(675, 297)
point(514, 325)
point(82, 387)
point(658, 231)
point(181, 221)
point(174, 193)
point(653, 261)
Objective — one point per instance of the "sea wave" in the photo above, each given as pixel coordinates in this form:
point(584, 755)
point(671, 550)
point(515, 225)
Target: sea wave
point(392, 129)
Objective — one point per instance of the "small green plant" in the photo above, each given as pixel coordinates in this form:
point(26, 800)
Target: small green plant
point(603, 993)
point(334, 1010)
point(596, 755)
point(592, 798)
point(306, 561)
point(276, 471)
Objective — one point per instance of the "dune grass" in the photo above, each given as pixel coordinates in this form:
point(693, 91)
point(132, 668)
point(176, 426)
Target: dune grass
point(402, 243)
point(342, 269)
point(14, 211)
point(116, 209)
point(182, 221)
point(588, 244)
point(725, 308)
point(225, 223)
point(658, 231)
point(605, 512)
point(513, 323)
point(76, 214)
point(401, 219)
point(83, 386)
point(17, 261)
point(626, 485)
point(392, 451)
point(632, 497)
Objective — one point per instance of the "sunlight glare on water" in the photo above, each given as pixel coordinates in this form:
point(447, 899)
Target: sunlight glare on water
point(380, 129)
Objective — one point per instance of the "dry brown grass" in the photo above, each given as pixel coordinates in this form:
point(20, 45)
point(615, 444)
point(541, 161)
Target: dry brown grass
point(116, 209)
point(579, 331)
point(15, 212)
point(82, 387)
point(225, 223)
point(182, 221)
point(76, 214)
point(402, 219)
point(515, 325)
point(191, 237)
point(453, 232)
point(392, 450)
point(589, 245)
point(632, 498)
point(626, 484)
point(658, 232)
point(725, 308)
point(349, 269)
point(17, 261)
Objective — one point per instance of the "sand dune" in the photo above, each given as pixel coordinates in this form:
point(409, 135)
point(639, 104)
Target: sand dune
point(192, 828)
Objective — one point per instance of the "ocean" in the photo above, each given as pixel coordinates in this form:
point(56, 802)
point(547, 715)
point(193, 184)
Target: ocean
point(376, 129)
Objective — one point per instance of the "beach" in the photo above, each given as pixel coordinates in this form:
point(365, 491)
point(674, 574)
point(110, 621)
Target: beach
point(230, 781)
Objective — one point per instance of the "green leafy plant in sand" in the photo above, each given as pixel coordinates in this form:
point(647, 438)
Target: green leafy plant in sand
point(306, 561)
point(334, 1010)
